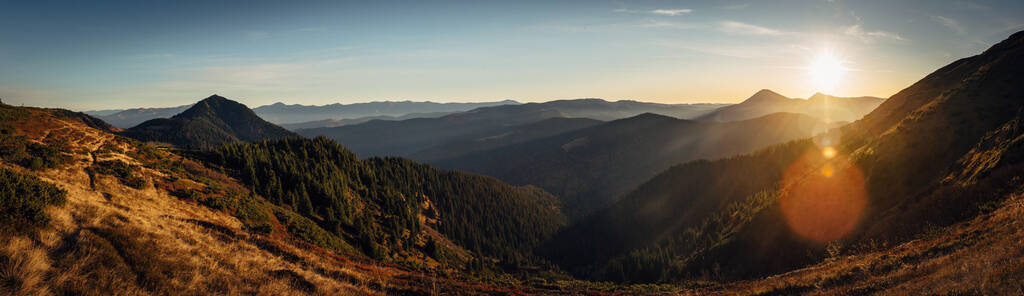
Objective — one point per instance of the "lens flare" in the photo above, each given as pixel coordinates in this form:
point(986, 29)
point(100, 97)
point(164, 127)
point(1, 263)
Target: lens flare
point(824, 196)
point(829, 152)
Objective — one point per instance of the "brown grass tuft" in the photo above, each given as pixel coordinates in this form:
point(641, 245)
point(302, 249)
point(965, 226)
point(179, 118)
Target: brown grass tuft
point(23, 268)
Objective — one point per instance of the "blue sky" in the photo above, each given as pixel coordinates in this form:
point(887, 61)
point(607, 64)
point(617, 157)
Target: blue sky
point(82, 55)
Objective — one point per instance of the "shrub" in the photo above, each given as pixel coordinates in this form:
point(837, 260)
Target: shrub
point(220, 203)
point(190, 194)
point(308, 231)
point(22, 200)
point(254, 215)
point(19, 150)
point(126, 173)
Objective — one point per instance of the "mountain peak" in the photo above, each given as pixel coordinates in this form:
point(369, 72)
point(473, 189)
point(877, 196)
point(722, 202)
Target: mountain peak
point(215, 106)
point(210, 122)
point(765, 95)
point(819, 97)
point(214, 98)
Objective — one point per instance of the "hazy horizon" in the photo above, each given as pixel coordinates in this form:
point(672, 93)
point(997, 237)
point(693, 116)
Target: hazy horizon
point(242, 100)
point(127, 55)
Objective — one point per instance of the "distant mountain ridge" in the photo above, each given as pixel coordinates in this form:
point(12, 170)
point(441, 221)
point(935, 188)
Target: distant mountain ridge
point(307, 115)
point(281, 113)
point(213, 121)
point(825, 107)
point(126, 118)
point(407, 137)
point(351, 121)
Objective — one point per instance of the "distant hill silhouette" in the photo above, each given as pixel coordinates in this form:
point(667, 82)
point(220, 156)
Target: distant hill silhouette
point(281, 113)
point(308, 116)
point(132, 117)
point(822, 106)
point(408, 137)
point(589, 168)
point(351, 121)
point(210, 122)
point(944, 150)
point(519, 134)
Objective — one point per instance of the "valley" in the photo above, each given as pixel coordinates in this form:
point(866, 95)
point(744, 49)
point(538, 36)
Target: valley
point(536, 187)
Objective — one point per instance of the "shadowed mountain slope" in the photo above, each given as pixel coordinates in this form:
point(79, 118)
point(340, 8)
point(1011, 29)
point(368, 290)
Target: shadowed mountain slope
point(589, 168)
point(942, 151)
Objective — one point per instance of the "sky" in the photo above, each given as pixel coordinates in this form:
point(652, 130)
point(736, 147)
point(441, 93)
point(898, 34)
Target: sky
point(88, 55)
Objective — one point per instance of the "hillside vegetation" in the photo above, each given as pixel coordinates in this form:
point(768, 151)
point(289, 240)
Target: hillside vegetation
point(114, 215)
point(379, 202)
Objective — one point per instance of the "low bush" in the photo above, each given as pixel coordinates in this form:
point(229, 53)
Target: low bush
point(306, 230)
point(126, 173)
point(23, 199)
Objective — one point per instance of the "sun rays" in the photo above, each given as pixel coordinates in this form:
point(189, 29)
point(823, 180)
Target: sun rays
point(826, 71)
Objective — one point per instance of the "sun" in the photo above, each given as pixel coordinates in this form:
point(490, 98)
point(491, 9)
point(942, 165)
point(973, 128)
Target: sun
point(826, 70)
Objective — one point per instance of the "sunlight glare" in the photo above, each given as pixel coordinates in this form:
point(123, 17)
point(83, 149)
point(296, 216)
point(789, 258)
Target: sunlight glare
point(825, 71)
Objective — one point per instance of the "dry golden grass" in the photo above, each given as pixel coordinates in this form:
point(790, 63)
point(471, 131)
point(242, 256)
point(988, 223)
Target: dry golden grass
point(113, 239)
point(23, 268)
point(982, 256)
point(110, 238)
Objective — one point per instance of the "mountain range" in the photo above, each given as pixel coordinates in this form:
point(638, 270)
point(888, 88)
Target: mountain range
point(590, 167)
point(307, 116)
point(358, 120)
point(825, 107)
point(281, 113)
point(126, 118)
point(922, 195)
point(407, 137)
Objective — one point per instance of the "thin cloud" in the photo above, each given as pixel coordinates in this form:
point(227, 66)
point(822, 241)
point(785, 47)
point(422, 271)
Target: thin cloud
point(950, 23)
point(670, 25)
point(734, 27)
point(671, 12)
point(868, 36)
point(668, 12)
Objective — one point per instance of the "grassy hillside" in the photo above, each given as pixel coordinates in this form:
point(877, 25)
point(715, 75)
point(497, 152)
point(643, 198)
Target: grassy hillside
point(107, 214)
